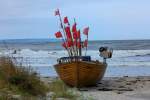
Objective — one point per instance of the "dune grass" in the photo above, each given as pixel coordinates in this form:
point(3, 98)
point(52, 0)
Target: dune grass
point(63, 91)
point(20, 80)
point(16, 79)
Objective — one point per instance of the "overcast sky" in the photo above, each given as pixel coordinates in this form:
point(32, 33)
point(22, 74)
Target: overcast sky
point(107, 19)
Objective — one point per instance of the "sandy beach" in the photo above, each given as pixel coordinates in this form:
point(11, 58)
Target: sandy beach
point(118, 88)
point(124, 88)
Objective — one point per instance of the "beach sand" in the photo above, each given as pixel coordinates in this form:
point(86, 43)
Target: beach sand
point(118, 88)
point(124, 88)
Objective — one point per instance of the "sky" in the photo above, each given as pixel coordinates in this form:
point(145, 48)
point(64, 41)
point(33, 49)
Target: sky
point(107, 19)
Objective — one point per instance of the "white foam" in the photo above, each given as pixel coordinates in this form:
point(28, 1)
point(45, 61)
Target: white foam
point(41, 59)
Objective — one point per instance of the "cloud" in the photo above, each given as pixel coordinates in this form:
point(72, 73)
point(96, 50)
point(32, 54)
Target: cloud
point(35, 18)
point(24, 8)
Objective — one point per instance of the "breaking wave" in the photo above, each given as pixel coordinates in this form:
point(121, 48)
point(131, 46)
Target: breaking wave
point(42, 60)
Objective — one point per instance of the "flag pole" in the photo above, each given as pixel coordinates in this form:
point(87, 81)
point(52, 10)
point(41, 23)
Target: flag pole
point(86, 33)
point(80, 48)
point(62, 27)
point(72, 48)
point(86, 46)
point(75, 40)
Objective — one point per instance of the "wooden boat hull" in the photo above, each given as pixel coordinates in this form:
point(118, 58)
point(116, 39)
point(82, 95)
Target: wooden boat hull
point(81, 73)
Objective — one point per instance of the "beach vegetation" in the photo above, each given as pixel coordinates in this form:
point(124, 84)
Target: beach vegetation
point(22, 81)
point(62, 90)
point(19, 80)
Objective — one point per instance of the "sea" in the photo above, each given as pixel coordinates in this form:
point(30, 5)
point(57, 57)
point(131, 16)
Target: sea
point(130, 57)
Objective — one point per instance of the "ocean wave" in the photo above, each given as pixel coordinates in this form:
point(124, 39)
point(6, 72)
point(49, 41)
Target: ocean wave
point(129, 64)
point(120, 57)
point(62, 53)
point(43, 60)
point(130, 53)
point(143, 55)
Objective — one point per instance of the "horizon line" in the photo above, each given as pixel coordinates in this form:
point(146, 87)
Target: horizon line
point(60, 39)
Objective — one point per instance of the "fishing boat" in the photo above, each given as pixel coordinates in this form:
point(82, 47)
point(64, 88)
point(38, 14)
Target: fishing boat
point(77, 70)
point(81, 73)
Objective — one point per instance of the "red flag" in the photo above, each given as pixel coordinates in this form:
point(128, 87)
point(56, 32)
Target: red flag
point(86, 30)
point(57, 12)
point(85, 43)
point(75, 42)
point(69, 36)
point(75, 35)
point(69, 43)
point(74, 29)
point(58, 34)
point(68, 32)
point(66, 20)
point(78, 34)
point(78, 44)
point(64, 45)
